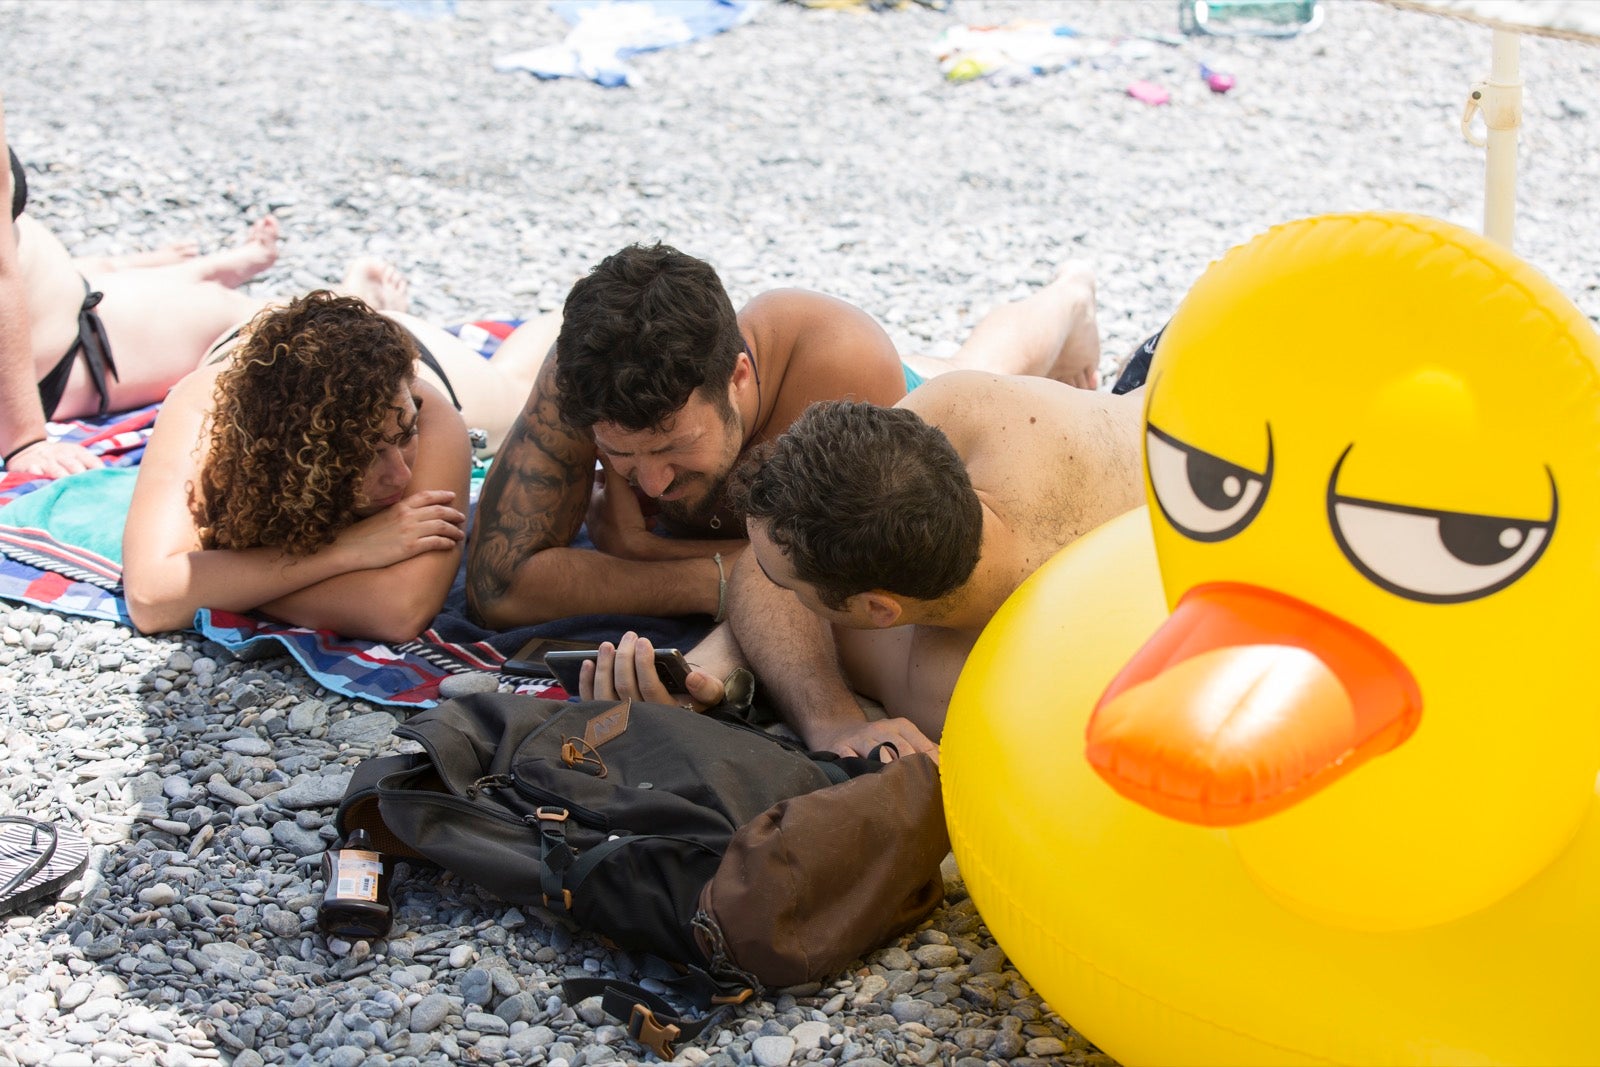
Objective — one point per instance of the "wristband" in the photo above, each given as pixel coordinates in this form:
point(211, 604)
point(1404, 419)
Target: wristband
point(6, 459)
point(722, 590)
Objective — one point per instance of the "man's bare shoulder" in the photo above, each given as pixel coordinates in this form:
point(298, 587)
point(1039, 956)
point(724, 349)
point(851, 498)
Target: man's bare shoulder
point(778, 304)
point(811, 347)
point(971, 405)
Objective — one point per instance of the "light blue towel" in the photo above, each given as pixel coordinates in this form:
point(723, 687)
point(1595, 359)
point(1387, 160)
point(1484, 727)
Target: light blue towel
point(606, 32)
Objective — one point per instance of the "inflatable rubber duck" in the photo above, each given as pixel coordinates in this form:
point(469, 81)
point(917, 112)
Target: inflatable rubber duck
point(1298, 764)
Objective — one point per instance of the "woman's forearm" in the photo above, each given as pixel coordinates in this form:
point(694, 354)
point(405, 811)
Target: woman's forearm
point(165, 594)
point(390, 604)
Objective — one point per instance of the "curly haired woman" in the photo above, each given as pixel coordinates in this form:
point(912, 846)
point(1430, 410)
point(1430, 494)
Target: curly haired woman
point(311, 476)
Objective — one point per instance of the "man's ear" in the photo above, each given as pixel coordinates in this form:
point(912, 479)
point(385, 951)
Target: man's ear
point(743, 371)
point(883, 609)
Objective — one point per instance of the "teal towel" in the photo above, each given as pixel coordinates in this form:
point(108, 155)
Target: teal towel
point(85, 511)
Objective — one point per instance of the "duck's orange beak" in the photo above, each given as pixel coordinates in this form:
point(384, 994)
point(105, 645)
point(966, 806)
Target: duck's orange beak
point(1246, 702)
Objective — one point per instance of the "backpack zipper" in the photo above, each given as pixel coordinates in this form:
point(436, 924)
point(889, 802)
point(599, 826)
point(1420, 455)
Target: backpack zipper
point(587, 816)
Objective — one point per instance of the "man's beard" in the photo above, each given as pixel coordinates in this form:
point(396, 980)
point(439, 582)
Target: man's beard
point(697, 515)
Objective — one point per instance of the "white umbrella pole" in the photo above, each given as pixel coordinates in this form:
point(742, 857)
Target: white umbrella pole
point(1501, 103)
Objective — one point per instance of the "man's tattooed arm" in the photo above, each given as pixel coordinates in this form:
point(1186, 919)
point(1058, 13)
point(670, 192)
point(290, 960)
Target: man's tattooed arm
point(534, 498)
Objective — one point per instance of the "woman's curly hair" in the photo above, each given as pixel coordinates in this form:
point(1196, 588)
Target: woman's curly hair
point(296, 422)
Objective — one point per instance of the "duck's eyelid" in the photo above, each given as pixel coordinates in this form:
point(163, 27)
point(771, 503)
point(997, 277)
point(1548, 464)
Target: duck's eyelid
point(1193, 450)
point(1168, 438)
point(1435, 513)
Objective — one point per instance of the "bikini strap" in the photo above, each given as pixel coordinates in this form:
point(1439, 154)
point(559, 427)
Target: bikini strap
point(96, 346)
point(432, 363)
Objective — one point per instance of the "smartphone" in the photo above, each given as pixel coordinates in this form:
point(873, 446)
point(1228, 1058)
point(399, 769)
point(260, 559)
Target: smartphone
point(670, 665)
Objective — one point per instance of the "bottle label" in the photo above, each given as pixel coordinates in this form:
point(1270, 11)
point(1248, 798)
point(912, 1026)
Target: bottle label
point(358, 874)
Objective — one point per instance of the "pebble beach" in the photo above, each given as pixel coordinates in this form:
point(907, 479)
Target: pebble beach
point(819, 147)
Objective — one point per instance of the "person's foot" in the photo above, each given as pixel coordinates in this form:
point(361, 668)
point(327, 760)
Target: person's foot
point(1078, 362)
point(234, 266)
point(378, 282)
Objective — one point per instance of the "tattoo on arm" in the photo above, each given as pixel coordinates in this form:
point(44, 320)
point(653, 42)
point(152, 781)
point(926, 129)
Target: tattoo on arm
point(534, 497)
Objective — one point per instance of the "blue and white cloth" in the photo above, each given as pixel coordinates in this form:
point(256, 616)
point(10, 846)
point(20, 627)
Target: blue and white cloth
point(606, 32)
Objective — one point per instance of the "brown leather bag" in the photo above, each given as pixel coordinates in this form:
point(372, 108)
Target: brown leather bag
point(819, 878)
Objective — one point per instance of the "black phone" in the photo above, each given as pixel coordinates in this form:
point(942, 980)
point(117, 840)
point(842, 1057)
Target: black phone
point(670, 665)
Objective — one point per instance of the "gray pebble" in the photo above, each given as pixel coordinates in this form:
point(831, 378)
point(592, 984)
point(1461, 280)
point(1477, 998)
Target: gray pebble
point(452, 686)
point(372, 727)
point(937, 956)
point(429, 1012)
point(476, 987)
point(313, 791)
point(772, 1051)
point(485, 1023)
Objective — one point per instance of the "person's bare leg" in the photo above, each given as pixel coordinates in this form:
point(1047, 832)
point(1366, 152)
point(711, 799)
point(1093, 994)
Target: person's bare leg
point(230, 267)
point(159, 326)
point(166, 255)
point(520, 355)
point(379, 283)
point(1051, 333)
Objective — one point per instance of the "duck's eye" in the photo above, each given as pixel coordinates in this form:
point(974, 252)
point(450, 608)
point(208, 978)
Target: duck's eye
point(1438, 557)
point(1204, 498)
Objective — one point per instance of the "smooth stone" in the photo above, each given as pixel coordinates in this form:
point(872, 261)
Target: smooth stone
point(772, 1051)
point(454, 686)
point(937, 955)
point(315, 790)
point(476, 987)
point(297, 840)
point(248, 746)
point(429, 1012)
point(307, 716)
point(809, 1034)
point(367, 728)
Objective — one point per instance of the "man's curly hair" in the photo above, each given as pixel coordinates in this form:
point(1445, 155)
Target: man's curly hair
point(297, 420)
point(639, 334)
point(861, 497)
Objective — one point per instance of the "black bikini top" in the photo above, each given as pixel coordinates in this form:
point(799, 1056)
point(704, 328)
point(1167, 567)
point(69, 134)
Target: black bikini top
point(19, 187)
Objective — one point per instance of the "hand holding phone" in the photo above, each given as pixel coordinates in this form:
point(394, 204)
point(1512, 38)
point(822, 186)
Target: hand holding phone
point(672, 668)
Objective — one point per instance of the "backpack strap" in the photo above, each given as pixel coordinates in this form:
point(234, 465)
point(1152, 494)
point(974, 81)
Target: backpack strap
point(649, 1019)
point(555, 856)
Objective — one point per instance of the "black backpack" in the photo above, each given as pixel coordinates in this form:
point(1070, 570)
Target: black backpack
point(698, 839)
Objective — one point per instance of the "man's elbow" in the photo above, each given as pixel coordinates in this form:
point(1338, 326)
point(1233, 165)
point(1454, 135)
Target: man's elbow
point(506, 612)
point(501, 606)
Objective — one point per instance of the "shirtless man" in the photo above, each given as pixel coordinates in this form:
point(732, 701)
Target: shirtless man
point(654, 374)
point(882, 541)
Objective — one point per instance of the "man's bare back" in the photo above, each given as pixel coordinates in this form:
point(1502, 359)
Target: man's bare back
point(1049, 463)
